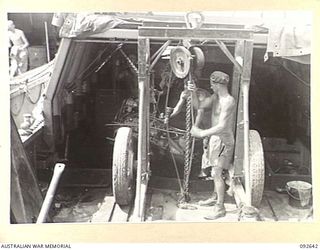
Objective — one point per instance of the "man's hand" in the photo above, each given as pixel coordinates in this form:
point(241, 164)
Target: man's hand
point(191, 86)
point(184, 94)
point(166, 116)
point(188, 90)
point(196, 132)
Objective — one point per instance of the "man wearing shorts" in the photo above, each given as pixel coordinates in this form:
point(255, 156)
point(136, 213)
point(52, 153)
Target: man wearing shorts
point(18, 51)
point(219, 153)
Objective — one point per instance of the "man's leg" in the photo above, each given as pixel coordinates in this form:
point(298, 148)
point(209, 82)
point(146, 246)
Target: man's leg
point(23, 62)
point(205, 163)
point(218, 183)
point(219, 209)
point(13, 67)
point(230, 181)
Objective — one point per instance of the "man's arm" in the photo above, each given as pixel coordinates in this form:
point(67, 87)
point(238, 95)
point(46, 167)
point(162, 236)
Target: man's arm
point(226, 112)
point(179, 105)
point(199, 117)
point(25, 41)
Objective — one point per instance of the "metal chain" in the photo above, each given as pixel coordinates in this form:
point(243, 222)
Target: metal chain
point(187, 157)
point(129, 61)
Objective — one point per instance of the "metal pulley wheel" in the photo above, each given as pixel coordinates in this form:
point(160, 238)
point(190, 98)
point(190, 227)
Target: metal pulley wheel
point(198, 58)
point(122, 167)
point(180, 61)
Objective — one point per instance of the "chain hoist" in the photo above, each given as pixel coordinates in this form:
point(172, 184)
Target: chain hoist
point(184, 62)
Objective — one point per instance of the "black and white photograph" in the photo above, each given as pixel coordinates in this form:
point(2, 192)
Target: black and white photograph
point(160, 117)
point(130, 117)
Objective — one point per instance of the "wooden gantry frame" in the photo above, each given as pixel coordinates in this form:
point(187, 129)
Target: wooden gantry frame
point(168, 32)
point(242, 60)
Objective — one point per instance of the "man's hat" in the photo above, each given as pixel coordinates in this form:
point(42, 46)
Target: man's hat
point(219, 77)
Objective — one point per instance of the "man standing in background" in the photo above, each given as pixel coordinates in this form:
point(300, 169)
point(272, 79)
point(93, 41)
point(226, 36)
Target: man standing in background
point(18, 50)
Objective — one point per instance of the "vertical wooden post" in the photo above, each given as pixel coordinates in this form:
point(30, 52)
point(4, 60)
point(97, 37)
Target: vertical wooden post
point(142, 168)
point(48, 108)
point(235, 91)
point(245, 84)
point(238, 54)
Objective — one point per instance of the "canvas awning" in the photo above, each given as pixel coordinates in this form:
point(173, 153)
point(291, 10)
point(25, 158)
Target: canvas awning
point(291, 42)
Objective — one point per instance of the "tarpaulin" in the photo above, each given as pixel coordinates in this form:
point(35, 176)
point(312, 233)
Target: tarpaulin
point(75, 25)
point(290, 42)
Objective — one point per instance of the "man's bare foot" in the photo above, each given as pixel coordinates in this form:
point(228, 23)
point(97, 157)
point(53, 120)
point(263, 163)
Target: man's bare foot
point(209, 202)
point(218, 212)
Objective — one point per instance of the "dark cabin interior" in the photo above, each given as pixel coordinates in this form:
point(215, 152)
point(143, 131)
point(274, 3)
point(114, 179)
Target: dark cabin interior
point(279, 107)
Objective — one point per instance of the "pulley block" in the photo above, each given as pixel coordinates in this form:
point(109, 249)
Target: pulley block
point(180, 61)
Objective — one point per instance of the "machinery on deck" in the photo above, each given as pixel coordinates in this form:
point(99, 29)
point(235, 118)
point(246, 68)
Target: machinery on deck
point(130, 182)
point(83, 86)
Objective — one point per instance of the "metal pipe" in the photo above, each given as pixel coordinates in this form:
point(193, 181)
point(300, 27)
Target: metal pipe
point(173, 131)
point(58, 169)
point(142, 178)
point(158, 51)
point(245, 92)
point(47, 41)
point(162, 49)
point(228, 54)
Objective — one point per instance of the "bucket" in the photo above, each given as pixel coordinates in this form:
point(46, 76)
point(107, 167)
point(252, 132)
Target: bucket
point(299, 193)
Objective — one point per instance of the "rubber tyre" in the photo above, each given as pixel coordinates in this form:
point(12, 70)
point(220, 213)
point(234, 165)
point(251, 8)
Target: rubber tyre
point(122, 167)
point(257, 171)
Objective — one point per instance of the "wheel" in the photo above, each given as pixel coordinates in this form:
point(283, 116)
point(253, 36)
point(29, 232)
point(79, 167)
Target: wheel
point(256, 160)
point(122, 167)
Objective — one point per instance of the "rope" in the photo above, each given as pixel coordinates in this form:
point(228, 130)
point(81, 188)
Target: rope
point(39, 95)
point(106, 60)
point(93, 61)
point(71, 84)
point(20, 108)
point(168, 134)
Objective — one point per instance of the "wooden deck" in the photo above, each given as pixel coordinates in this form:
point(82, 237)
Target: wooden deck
point(97, 205)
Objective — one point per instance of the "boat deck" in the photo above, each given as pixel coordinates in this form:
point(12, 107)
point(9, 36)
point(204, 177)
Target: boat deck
point(97, 205)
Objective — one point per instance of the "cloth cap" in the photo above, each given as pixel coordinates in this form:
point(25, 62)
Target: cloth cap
point(219, 77)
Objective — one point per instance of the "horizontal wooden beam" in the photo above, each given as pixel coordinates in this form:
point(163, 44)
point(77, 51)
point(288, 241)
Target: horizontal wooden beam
point(133, 34)
point(183, 33)
point(183, 25)
point(117, 34)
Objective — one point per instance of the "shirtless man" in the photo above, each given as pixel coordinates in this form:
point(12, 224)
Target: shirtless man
point(198, 96)
point(18, 52)
point(202, 119)
point(221, 143)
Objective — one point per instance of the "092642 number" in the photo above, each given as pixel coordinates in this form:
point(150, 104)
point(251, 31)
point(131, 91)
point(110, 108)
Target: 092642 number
point(309, 246)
